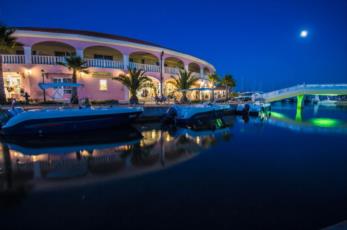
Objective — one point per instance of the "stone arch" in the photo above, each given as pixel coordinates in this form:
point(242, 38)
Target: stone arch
point(52, 48)
point(148, 93)
point(194, 67)
point(173, 62)
point(102, 52)
point(144, 58)
point(169, 89)
point(17, 50)
point(207, 71)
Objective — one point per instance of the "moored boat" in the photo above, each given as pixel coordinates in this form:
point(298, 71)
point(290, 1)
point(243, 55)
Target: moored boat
point(253, 108)
point(327, 102)
point(194, 115)
point(53, 121)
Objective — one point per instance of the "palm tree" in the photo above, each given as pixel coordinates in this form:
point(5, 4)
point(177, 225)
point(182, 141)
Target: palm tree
point(134, 81)
point(214, 79)
point(183, 82)
point(228, 82)
point(76, 64)
point(7, 43)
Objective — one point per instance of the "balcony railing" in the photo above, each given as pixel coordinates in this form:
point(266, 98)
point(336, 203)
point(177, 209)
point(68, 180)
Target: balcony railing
point(171, 70)
point(47, 60)
point(100, 63)
point(13, 59)
point(145, 67)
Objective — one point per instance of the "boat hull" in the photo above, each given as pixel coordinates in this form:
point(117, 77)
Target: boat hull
point(201, 121)
point(71, 124)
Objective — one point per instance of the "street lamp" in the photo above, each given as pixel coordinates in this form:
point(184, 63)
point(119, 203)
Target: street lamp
point(161, 73)
point(43, 82)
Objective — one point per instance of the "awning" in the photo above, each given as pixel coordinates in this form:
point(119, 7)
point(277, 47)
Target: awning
point(59, 85)
point(198, 89)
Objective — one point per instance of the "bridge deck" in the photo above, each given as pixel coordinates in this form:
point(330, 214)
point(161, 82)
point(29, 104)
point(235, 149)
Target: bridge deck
point(311, 89)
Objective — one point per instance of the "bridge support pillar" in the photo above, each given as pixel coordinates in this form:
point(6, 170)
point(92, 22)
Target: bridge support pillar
point(299, 101)
point(299, 104)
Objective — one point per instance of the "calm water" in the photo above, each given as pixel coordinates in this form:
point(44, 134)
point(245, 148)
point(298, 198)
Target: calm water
point(288, 171)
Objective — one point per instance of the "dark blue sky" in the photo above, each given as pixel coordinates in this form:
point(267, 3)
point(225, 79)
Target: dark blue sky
point(256, 41)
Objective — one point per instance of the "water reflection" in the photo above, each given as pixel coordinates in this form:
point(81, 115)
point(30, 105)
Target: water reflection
point(45, 163)
point(314, 124)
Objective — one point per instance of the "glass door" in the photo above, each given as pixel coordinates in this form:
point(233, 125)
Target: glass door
point(12, 85)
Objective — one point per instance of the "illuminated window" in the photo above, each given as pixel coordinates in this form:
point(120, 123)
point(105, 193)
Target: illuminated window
point(103, 85)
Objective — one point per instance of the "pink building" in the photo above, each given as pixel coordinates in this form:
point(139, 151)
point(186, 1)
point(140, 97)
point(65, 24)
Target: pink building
point(106, 55)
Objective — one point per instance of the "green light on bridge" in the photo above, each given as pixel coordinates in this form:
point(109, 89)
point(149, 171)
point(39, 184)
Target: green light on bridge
point(325, 122)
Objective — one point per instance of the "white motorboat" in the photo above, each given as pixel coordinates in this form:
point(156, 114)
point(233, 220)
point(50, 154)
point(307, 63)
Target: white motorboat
point(253, 108)
point(194, 114)
point(327, 102)
point(16, 121)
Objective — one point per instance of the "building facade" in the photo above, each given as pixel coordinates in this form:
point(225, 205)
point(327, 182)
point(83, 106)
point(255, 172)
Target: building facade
point(106, 56)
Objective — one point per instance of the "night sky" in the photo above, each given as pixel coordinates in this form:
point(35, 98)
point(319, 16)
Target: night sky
point(256, 41)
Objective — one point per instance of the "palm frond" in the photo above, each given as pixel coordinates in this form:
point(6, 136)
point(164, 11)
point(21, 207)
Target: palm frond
point(135, 80)
point(229, 81)
point(7, 40)
point(185, 80)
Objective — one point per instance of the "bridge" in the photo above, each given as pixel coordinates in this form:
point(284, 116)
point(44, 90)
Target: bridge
point(305, 89)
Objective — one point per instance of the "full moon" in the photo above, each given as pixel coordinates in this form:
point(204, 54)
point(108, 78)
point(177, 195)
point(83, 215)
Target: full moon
point(304, 33)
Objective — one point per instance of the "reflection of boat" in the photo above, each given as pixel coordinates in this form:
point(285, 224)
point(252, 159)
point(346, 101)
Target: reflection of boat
point(315, 99)
point(203, 138)
point(51, 121)
point(203, 133)
point(253, 108)
point(328, 102)
point(192, 115)
point(73, 143)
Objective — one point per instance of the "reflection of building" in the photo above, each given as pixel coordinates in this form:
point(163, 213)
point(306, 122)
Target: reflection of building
point(105, 55)
point(91, 163)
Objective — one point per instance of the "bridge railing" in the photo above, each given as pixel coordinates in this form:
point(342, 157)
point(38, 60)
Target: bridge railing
point(326, 86)
point(283, 91)
point(304, 87)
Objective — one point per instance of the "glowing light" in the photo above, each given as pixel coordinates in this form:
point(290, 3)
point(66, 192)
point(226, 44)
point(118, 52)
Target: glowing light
point(103, 85)
point(153, 134)
point(34, 158)
point(277, 115)
point(325, 122)
point(304, 33)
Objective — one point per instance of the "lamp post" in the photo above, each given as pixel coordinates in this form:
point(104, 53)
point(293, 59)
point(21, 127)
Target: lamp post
point(43, 82)
point(161, 73)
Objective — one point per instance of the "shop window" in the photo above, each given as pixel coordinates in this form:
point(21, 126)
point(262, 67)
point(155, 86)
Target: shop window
point(103, 85)
point(66, 90)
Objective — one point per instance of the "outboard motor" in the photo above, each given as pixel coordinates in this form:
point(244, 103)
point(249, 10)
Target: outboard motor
point(5, 115)
point(246, 109)
point(170, 116)
point(245, 113)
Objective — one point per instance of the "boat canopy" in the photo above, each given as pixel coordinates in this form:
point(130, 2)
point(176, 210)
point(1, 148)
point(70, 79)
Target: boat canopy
point(59, 85)
point(203, 89)
point(198, 89)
